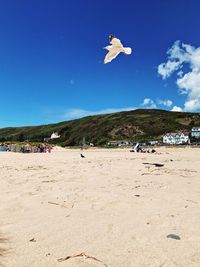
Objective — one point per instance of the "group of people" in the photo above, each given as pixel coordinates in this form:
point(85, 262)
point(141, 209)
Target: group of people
point(36, 149)
point(137, 148)
point(41, 148)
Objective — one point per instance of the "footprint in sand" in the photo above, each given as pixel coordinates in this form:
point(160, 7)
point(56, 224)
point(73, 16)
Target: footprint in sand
point(35, 168)
point(113, 229)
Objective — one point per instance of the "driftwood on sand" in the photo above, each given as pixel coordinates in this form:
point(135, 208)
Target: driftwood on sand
point(154, 164)
point(81, 255)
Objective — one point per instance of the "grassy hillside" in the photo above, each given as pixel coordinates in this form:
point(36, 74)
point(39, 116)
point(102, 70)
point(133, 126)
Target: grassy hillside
point(136, 125)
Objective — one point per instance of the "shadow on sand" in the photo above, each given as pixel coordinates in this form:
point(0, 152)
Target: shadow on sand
point(3, 248)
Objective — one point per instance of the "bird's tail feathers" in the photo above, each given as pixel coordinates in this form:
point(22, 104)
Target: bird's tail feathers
point(127, 50)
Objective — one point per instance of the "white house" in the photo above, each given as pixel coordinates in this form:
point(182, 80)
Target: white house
point(55, 136)
point(195, 132)
point(176, 138)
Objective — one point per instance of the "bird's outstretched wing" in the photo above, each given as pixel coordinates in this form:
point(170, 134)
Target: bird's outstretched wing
point(113, 53)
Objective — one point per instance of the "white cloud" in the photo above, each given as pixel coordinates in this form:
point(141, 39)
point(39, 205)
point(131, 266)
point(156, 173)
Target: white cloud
point(175, 108)
point(80, 113)
point(146, 101)
point(149, 103)
point(166, 69)
point(180, 73)
point(188, 82)
point(166, 103)
point(192, 105)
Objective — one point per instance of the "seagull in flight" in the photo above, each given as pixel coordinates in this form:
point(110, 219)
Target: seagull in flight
point(115, 49)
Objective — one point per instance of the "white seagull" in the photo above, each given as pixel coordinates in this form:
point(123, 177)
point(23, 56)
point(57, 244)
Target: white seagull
point(115, 49)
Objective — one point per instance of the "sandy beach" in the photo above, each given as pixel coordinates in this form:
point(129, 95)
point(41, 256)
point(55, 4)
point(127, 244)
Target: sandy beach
point(109, 206)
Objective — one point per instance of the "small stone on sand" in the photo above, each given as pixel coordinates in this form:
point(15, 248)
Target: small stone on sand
point(174, 236)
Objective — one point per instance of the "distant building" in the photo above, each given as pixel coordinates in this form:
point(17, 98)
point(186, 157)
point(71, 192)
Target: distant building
point(119, 143)
point(113, 143)
point(195, 132)
point(125, 143)
point(55, 136)
point(153, 143)
point(47, 139)
point(176, 138)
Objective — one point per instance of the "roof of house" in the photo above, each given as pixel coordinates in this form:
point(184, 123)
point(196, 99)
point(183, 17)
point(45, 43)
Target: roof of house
point(195, 129)
point(178, 133)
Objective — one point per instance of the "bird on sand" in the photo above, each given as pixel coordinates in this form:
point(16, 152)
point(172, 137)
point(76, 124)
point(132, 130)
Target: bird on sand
point(115, 49)
point(82, 156)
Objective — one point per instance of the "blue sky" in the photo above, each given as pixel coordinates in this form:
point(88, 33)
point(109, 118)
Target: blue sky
point(51, 58)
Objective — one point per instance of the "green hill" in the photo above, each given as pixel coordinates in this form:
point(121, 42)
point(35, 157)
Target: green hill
point(135, 125)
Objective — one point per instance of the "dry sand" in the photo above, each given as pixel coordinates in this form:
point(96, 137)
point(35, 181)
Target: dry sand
point(108, 205)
